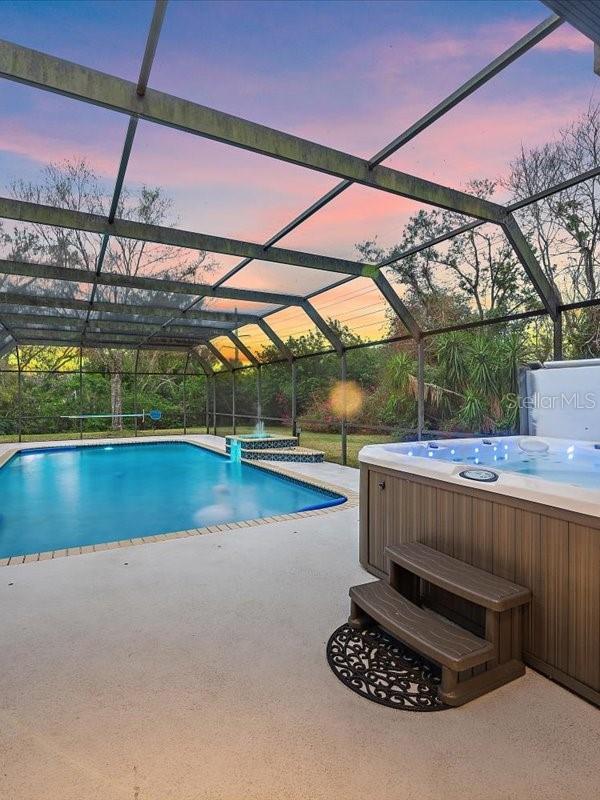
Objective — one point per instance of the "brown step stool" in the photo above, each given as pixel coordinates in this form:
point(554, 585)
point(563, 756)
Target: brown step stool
point(471, 666)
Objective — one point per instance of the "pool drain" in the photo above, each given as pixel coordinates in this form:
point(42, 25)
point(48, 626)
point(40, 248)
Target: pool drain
point(376, 666)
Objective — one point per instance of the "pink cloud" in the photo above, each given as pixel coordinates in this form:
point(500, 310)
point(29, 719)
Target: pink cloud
point(248, 196)
point(276, 277)
point(390, 56)
point(255, 196)
point(478, 141)
point(17, 138)
point(358, 214)
point(483, 137)
point(164, 156)
point(391, 77)
point(568, 39)
point(225, 191)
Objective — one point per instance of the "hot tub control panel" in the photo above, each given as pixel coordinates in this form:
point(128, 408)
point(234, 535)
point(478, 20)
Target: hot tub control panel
point(481, 475)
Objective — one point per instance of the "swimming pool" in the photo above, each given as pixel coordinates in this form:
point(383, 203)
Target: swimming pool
point(65, 497)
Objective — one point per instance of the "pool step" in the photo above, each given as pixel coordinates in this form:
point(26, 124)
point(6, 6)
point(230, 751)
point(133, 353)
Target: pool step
point(434, 637)
point(265, 443)
point(274, 448)
point(457, 577)
point(471, 664)
point(303, 455)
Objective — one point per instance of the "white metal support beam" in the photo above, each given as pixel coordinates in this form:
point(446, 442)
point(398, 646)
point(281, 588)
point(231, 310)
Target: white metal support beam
point(218, 355)
point(547, 292)
point(147, 313)
point(165, 285)
point(206, 368)
point(37, 213)
point(160, 6)
point(326, 329)
point(242, 348)
point(277, 341)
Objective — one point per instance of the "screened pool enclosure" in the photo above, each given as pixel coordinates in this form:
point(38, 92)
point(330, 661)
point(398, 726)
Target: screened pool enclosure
point(108, 311)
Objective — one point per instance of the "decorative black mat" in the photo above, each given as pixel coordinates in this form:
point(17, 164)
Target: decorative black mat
point(375, 665)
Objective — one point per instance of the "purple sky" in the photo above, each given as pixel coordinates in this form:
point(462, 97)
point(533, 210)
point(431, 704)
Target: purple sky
point(350, 75)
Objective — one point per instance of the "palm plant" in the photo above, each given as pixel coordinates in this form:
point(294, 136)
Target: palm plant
point(400, 388)
point(483, 369)
point(450, 354)
point(483, 364)
point(473, 412)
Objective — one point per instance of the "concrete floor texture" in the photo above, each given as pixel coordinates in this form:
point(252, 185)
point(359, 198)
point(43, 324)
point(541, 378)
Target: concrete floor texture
point(195, 669)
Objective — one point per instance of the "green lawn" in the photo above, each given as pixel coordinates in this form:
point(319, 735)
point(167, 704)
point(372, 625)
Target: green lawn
point(329, 443)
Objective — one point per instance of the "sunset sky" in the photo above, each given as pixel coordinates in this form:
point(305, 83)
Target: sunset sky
point(351, 75)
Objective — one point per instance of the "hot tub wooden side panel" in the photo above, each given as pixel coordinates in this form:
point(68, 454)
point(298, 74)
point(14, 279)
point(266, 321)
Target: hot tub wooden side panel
point(553, 552)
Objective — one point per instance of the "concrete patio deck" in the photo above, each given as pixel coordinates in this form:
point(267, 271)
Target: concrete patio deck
point(195, 669)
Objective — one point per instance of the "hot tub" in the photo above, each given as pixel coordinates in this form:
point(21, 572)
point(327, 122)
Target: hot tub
point(556, 471)
point(525, 508)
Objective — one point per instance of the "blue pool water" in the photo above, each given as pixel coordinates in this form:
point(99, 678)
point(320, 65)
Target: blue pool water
point(56, 498)
point(559, 460)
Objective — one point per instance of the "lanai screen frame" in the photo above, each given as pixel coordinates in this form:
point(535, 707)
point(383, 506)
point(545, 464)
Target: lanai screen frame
point(157, 326)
